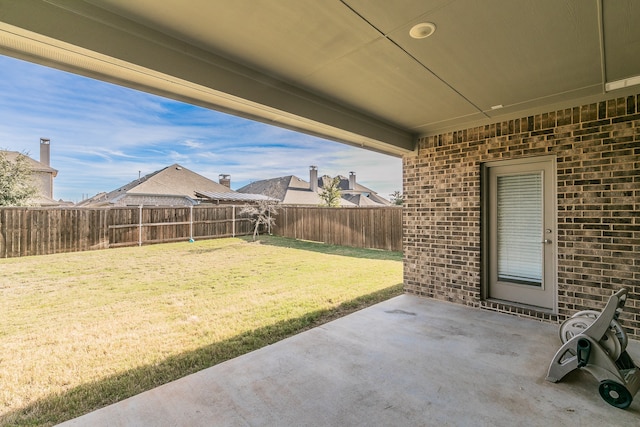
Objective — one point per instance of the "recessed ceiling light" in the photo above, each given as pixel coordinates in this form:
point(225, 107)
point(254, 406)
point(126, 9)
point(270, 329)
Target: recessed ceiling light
point(422, 30)
point(497, 107)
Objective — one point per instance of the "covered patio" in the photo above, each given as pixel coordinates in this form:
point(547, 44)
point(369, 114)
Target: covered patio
point(504, 112)
point(408, 361)
point(469, 94)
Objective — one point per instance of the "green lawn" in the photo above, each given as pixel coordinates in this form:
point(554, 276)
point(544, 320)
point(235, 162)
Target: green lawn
point(83, 330)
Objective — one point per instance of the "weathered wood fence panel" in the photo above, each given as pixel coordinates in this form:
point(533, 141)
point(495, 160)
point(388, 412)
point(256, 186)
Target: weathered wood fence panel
point(379, 228)
point(41, 231)
point(221, 222)
point(139, 226)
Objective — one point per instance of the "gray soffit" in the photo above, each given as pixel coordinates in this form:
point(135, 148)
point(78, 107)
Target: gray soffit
point(234, 196)
point(344, 70)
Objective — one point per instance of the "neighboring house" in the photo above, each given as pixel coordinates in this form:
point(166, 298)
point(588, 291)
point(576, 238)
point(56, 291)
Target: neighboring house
point(42, 175)
point(291, 190)
point(174, 185)
point(355, 193)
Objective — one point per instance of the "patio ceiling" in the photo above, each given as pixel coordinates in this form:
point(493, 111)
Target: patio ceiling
point(346, 70)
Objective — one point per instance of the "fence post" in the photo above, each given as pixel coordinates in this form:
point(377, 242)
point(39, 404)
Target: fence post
point(140, 225)
point(190, 222)
point(233, 220)
point(106, 227)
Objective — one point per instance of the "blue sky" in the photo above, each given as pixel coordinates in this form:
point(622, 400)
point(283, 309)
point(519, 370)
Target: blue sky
point(103, 135)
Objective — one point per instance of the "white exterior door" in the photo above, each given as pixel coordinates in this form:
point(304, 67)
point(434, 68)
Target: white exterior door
point(522, 232)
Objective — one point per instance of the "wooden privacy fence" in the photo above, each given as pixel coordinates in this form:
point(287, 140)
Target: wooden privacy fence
point(170, 224)
point(40, 231)
point(379, 228)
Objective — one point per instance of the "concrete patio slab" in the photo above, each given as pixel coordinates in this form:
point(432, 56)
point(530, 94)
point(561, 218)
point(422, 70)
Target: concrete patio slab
point(408, 361)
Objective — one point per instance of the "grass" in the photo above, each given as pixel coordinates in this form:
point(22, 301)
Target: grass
point(80, 331)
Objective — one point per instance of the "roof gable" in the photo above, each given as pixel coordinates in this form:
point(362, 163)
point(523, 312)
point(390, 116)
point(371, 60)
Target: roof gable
point(35, 165)
point(172, 180)
point(176, 179)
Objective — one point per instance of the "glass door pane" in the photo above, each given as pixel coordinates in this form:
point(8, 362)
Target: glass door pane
point(519, 228)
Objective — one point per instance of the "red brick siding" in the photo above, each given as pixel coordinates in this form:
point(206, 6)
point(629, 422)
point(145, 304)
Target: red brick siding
point(598, 176)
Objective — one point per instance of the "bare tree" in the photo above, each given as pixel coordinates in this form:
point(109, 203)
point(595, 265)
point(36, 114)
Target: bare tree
point(263, 213)
point(16, 187)
point(331, 193)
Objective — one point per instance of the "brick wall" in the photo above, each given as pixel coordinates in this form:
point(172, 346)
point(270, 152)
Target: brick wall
point(598, 189)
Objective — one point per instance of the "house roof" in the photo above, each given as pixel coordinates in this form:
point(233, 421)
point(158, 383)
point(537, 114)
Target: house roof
point(291, 190)
point(359, 190)
point(362, 200)
point(173, 181)
point(275, 187)
point(359, 195)
point(35, 165)
point(347, 70)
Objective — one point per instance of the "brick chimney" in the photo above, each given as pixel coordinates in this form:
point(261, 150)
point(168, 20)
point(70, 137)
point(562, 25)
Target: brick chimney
point(352, 180)
point(45, 151)
point(313, 178)
point(225, 180)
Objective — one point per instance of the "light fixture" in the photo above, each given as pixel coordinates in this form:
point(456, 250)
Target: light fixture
point(422, 30)
point(497, 107)
point(619, 84)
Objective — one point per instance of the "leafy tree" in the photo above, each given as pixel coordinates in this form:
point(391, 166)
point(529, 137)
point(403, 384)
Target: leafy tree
point(397, 198)
point(263, 213)
point(16, 187)
point(331, 193)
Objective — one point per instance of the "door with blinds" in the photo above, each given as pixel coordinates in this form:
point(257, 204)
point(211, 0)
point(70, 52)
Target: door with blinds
point(521, 232)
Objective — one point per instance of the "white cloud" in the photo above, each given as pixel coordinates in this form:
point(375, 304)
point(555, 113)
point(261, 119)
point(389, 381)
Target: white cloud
point(193, 144)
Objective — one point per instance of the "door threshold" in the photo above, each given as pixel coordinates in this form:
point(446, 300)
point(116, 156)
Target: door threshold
point(519, 308)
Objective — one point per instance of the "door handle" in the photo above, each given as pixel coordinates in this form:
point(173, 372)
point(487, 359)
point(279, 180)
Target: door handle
point(547, 241)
